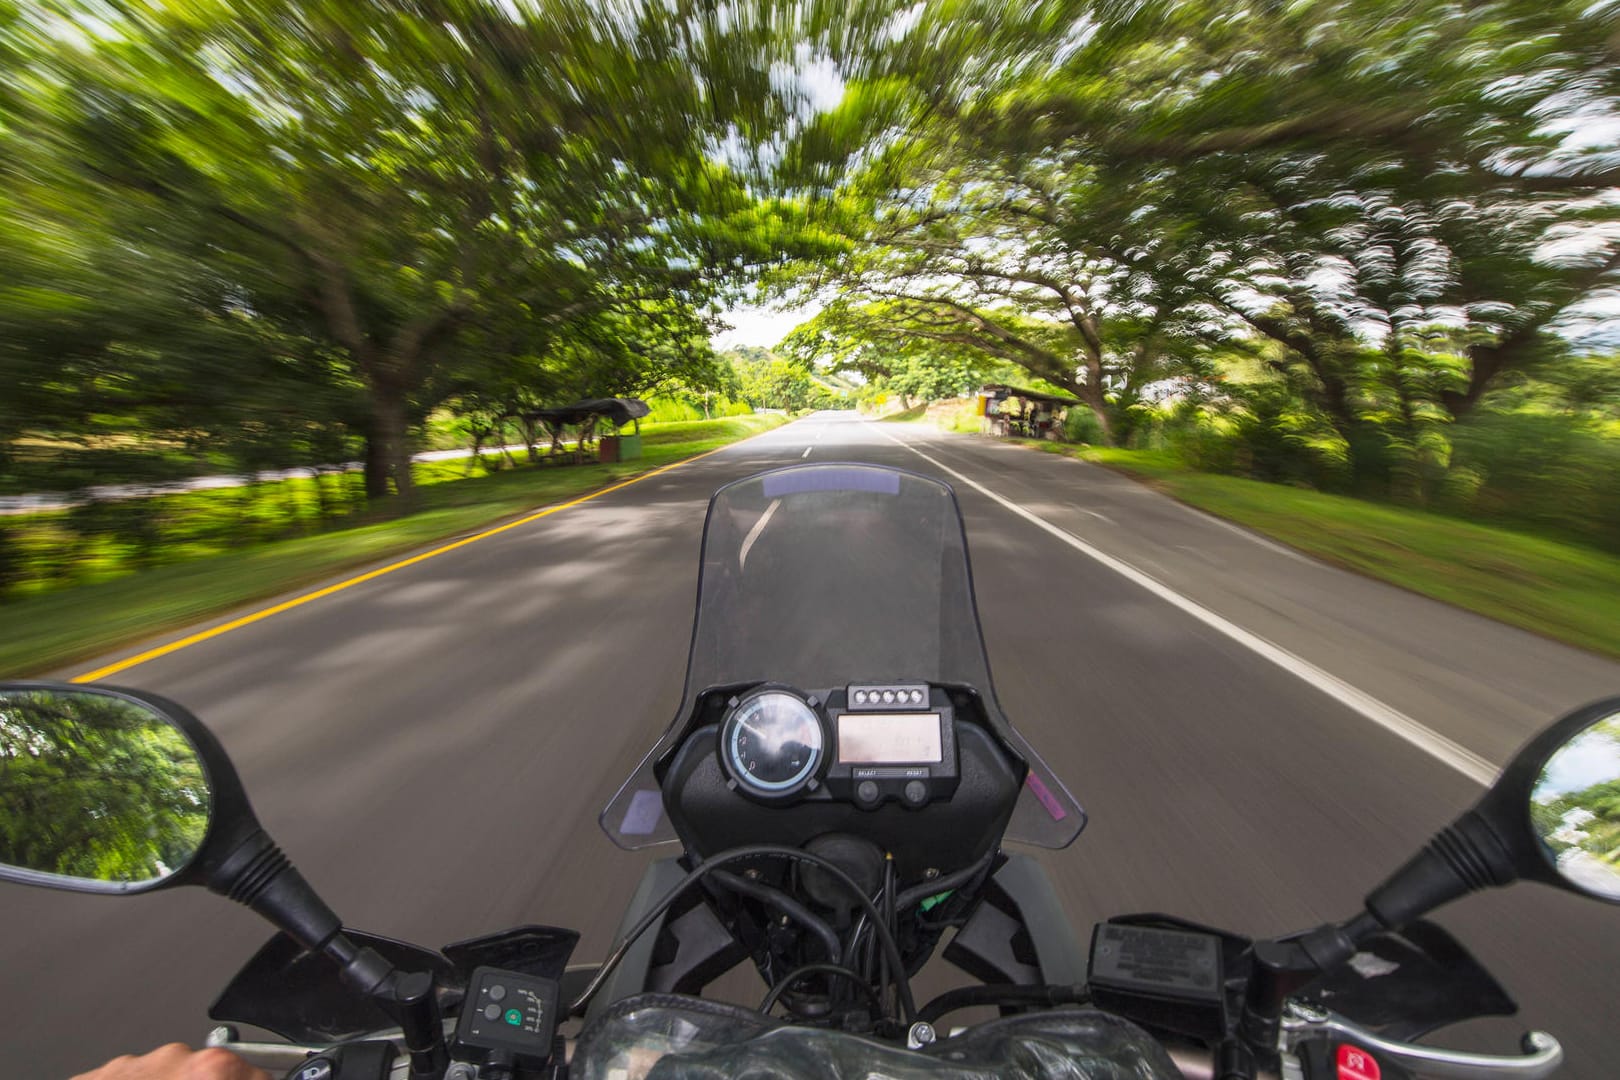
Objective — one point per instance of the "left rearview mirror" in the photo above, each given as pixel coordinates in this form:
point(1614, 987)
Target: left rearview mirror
point(99, 792)
point(111, 790)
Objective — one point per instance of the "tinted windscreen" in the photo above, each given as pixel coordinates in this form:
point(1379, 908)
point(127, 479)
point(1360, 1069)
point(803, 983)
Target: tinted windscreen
point(819, 576)
point(830, 574)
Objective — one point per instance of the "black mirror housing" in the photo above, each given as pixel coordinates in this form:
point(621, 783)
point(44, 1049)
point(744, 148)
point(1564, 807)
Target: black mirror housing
point(1493, 844)
point(236, 857)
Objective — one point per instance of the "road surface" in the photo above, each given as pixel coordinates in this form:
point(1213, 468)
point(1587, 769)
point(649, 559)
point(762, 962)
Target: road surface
point(432, 747)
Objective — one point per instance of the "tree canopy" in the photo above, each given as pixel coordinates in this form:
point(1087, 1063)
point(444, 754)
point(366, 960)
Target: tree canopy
point(288, 232)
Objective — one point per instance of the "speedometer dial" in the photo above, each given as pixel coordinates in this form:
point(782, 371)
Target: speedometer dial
point(772, 744)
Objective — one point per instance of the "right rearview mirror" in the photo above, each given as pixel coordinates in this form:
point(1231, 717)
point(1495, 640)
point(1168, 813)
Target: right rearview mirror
point(1552, 816)
point(1575, 809)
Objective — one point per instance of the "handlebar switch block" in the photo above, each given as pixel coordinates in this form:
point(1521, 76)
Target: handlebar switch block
point(1168, 979)
point(508, 1013)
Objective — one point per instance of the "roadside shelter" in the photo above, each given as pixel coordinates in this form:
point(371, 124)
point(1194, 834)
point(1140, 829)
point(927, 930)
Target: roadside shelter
point(1018, 410)
point(588, 418)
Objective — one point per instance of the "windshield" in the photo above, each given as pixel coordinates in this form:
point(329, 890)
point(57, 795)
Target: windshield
point(818, 576)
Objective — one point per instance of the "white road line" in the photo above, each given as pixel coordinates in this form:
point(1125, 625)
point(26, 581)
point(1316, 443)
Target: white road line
point(1459, 757)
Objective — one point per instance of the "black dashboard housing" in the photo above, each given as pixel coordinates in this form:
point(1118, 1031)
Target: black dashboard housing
point(960, 826)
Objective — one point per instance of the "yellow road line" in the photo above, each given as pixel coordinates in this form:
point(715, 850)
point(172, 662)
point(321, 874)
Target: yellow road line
point(299, 601)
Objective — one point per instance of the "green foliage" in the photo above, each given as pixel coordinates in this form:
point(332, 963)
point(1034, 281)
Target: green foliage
point(275, 232)
point(1398, 220)
point(1367, 248)
point(768, 381)
point(1555, 473)
point(89, 617)
point(96, 787)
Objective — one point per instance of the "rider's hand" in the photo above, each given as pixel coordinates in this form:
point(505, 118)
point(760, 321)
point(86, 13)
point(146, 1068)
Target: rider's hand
point(177, 1062)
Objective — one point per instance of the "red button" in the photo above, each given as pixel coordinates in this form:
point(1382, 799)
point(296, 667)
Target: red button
point(1357, 1064)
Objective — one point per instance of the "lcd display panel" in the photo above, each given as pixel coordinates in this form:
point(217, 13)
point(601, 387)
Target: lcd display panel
point(889, 738)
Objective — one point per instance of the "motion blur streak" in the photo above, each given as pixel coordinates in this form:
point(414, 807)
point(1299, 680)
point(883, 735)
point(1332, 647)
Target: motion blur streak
point(247, 620)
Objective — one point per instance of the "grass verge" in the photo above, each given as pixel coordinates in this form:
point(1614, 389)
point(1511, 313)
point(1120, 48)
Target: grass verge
point(45, 632)
point(1563, 591)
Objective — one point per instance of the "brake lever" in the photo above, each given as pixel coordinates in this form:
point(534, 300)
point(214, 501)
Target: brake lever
point(1541, 1058)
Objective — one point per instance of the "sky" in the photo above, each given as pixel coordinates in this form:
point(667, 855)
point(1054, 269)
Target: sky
point(760, 325)
point(1591, 758)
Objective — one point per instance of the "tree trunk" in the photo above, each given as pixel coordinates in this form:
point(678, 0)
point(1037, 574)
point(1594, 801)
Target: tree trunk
point(1099, 409)
point(323, 501)
point(531, 437)
point(1092, 391)
point(388, 450)
point(376, 462)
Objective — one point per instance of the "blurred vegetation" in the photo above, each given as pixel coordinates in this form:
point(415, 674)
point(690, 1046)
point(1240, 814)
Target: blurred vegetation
point(104, 539)
point(1368, 248)
point(1562, 590)
point(274, 235)
point(77, 620)
point(1363, 247)
point(97, 787)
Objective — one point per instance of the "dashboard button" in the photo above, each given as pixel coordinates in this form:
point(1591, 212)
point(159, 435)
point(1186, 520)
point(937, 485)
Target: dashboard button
point(867, 791)
point(492, 1012)
point(497, 992)
point(916, 792)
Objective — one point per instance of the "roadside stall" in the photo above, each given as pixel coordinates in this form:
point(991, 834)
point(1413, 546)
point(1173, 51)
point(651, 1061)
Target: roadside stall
point(596, 424)
point(1017, 410)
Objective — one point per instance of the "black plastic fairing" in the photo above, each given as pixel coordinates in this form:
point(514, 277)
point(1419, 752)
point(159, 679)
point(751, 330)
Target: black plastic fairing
point(947, 835)
point(1407, 984)
point(300, 995)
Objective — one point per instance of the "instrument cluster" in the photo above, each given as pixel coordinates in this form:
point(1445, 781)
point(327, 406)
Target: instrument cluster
point(865, 744)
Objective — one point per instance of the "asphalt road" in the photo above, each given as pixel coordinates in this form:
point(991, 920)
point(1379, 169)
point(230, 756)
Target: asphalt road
point(433, 747)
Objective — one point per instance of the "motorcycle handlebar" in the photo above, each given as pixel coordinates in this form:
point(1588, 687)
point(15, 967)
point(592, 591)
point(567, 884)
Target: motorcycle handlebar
point(1541, 1059)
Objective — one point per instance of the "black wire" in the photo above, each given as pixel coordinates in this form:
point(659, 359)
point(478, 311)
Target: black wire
point(767, 894)
point(945, 882)
point(909, 898)
point(853, 944)
point(888, 920)
point(908, 1004)
point(823, 969)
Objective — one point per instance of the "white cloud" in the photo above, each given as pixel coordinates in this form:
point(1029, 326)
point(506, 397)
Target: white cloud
point(761, 325)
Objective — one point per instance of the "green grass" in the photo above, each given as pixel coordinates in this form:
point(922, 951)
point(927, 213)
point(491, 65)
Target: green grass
point(56, 629)
point(55, 550)
point(1564, 591)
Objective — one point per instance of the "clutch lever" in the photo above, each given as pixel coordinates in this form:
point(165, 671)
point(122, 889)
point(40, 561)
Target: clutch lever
point(1541, 1058)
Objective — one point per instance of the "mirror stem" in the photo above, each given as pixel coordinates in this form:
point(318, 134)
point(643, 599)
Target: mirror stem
point(408, 997)
point(1280, 968)
point(1464, 857)
point(258, 875)
point(412, 1002)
